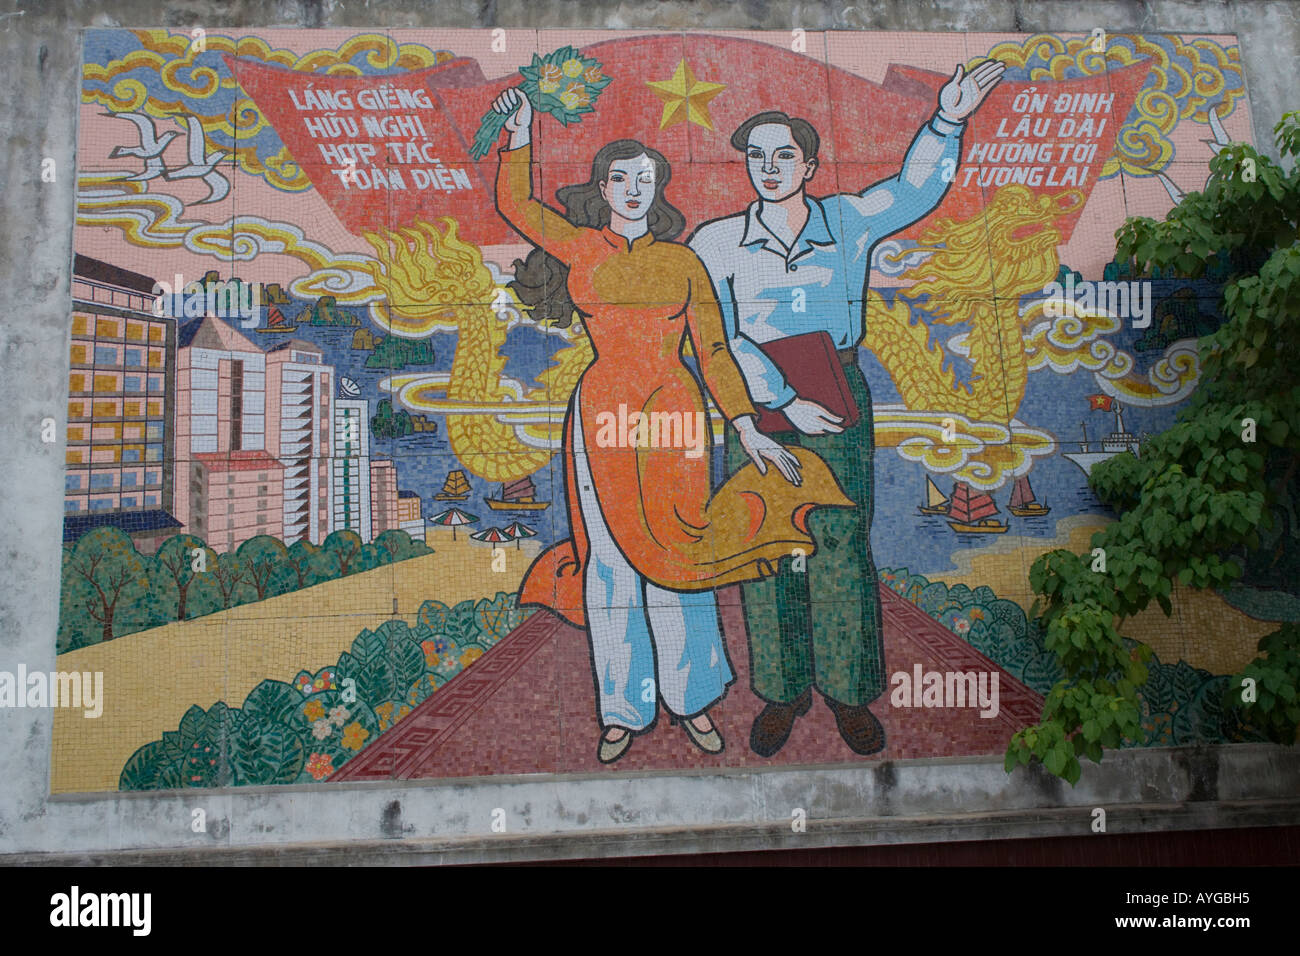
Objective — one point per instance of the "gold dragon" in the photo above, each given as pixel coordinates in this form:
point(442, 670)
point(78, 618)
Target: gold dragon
point(436, 280)
point(978, 269)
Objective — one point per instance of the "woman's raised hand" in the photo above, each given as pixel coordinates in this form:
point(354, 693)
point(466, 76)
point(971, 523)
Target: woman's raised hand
point(513, 103)
point(759, 446)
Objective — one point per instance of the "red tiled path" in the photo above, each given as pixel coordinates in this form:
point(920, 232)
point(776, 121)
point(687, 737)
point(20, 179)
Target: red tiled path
point(528, 706)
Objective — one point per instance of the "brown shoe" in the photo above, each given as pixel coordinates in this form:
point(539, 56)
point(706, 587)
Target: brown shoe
point(773, 724)
point(859, 727)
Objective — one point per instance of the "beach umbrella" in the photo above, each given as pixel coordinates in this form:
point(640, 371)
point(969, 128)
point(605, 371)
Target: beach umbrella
point(453, 518)
point(491, 535)
point(519, 531)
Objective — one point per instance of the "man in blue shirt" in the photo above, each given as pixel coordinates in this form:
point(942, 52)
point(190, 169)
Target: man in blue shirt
point(789, 265)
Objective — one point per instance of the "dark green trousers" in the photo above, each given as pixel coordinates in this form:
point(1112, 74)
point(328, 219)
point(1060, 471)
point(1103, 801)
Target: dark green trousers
point(816, 623)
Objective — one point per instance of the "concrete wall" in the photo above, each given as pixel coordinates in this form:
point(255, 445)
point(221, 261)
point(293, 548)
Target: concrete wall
point(570, 817)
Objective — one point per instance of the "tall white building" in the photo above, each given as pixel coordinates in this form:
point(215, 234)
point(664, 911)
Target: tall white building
point(350, 468)
point(301, 437)
point(221, 411)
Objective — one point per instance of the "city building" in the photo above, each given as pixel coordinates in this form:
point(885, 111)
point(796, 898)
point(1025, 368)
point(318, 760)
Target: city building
point(383, 496)
point(237, 496)
point(300, 387)
point(221, 410)
point(120, 439)
point(409, 518)
point(350, 467)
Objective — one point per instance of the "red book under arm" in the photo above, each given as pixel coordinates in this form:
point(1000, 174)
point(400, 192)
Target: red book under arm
point(811, 365)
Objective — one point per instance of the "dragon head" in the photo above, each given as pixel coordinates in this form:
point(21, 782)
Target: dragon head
point(1006, 250)
point(430, 276)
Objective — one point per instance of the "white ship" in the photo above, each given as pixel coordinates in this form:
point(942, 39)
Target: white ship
point(1116, 443)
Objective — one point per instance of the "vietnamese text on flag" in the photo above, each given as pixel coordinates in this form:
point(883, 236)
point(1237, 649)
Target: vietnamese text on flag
point(381, 150)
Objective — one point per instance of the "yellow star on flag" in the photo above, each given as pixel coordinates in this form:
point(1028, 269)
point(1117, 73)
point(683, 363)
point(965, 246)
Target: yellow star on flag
point(686, 99)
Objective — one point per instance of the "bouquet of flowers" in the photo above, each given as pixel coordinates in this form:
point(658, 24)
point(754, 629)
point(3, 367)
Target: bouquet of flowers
point(562, 83)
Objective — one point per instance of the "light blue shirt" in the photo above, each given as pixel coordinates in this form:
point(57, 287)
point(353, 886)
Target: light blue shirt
point(767, 291)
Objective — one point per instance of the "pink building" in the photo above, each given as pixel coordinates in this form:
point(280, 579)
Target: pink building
point(408, 514)
point(408, 506)
point(235, 497)
point(384, 508)
point(220, 411)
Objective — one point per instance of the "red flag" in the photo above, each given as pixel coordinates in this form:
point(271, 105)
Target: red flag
point(381, 149)
point(722, 81)
point(1051, 135)
point(1102, 403)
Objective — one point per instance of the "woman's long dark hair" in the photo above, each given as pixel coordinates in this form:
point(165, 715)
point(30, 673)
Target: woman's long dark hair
point(541, 280)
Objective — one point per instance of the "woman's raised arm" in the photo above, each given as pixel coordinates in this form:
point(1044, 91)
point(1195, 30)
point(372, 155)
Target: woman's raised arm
point(540, 225)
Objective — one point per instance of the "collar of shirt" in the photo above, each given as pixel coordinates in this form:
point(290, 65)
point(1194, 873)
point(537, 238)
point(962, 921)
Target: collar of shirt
point(620, 242)
point(815, 232)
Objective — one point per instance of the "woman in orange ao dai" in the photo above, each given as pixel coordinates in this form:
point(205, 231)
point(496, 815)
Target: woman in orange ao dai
point(648, 543)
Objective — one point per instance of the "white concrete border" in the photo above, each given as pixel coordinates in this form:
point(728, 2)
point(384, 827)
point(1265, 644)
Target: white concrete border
point(564, 817)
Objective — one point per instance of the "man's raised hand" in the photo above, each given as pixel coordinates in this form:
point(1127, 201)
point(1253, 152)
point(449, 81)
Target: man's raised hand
point(963, 94)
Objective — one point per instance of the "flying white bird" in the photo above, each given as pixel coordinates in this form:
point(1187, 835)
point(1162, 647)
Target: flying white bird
point(151, 145)
point(1175, 193)
point(202, 165)
point(1216, 127)
point(1219, 141)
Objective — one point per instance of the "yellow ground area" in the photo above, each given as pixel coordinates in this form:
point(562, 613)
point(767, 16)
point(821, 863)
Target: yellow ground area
point(1204, 630)
point(152, 677)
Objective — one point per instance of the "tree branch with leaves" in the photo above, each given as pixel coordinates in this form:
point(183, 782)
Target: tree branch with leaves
point(1195, 506)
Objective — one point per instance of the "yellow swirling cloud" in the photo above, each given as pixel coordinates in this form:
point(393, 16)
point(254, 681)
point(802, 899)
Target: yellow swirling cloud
point(154, 220)
point(1077, 340)
point(1072, 341)
point(985, 455)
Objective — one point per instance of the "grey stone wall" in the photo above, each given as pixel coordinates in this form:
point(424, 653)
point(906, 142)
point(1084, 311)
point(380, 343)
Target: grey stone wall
point(569, 817)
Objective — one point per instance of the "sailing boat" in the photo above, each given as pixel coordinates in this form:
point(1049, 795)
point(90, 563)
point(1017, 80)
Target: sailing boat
point(275, 323)
point(1023, 504)
point(936, 502)
point(971, 511)
point(518, 495)
point(455, 488)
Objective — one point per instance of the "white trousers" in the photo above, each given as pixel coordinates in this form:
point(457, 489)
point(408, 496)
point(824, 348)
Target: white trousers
point(647, 642)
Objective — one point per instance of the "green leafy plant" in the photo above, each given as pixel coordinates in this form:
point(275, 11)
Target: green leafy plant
point(1194, 507)
point(304, 730)
point(1270, 700)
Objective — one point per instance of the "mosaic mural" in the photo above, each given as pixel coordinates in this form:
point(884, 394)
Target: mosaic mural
point(447, 403)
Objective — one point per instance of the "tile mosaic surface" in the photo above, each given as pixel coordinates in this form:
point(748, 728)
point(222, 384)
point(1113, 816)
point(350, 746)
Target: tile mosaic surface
point(399, 419)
